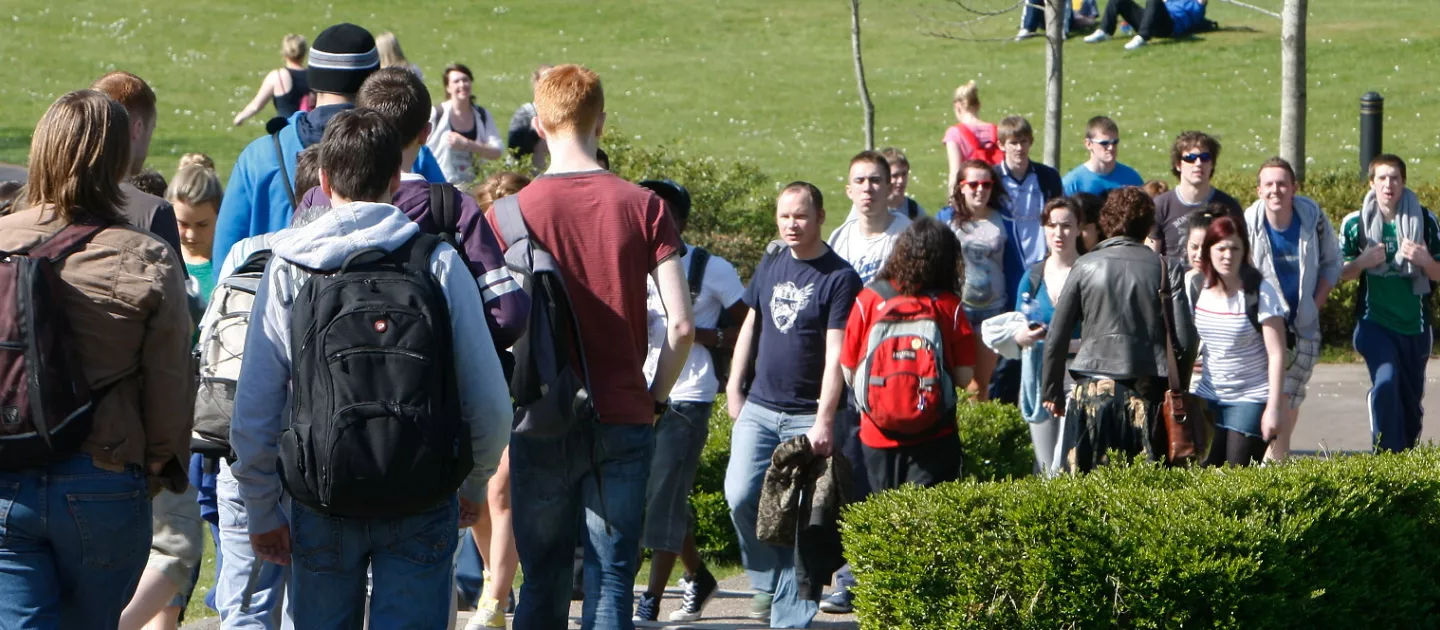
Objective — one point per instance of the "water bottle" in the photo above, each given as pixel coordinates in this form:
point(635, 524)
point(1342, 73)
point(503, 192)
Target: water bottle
point(1030, 310)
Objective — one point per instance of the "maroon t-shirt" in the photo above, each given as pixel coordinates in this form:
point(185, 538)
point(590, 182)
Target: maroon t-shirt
point(607, 235)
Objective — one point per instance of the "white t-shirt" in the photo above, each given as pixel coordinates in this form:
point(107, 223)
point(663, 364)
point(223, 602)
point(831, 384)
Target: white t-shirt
point(1236, 363)
point(720, 289)
point(866, 255)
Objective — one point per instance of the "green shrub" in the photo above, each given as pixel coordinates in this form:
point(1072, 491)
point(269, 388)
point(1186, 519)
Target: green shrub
point(1339, 543)
point(733, 202)
point(1339, 193)
point(714, 533)
point(995, 441)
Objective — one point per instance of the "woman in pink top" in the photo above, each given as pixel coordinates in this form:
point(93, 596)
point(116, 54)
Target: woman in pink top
point(961, 146)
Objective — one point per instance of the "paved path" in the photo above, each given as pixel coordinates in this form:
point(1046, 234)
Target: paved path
point(1333, 418)
point(11, 173)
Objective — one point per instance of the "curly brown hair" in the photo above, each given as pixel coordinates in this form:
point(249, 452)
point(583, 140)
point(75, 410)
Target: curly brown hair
point(502, 184)
point(1189, 140)
point(926, 259)
point(1128, 212)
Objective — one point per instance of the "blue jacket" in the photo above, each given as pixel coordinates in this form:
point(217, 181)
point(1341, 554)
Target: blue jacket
point(256, 201)
point(1186, 15)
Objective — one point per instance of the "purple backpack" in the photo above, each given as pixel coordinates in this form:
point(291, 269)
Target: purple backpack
point(46, 404)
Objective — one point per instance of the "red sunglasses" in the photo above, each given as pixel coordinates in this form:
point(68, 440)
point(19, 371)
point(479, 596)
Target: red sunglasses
point(980, 184)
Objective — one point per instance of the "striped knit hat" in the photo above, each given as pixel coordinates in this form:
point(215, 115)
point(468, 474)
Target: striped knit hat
point(341, 58)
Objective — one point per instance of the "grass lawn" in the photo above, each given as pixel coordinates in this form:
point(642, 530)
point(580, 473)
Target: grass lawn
point(769, 82)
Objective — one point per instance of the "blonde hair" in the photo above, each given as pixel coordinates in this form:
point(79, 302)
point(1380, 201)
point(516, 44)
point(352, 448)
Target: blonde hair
point(78, 154)
point(195, 185)
point(195, 158)
point(390, 52)
point(502, 184)
point(294, 48)
point(569, 99)
point(968, 96)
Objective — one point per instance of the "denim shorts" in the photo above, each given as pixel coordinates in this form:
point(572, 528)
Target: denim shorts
point(679, 438)
point(977, 316)
point(1240, 417)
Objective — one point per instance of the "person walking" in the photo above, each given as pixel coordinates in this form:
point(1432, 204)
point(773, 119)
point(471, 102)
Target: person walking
point(984, 235)
point(78, 517)
point(1391, 244)
point(286, 87)
point(462, 134)
point(1240, 319)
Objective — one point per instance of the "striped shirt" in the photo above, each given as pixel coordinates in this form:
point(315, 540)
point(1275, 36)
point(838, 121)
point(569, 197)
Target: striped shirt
point(1236, 365)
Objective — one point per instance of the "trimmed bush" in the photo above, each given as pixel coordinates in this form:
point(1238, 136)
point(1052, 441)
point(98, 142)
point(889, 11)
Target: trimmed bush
point(1339, 543)
point(714, 533)
point(995, 441)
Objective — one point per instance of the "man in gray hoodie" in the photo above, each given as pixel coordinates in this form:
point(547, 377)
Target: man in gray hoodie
point(409, 556)
point(1293, 244)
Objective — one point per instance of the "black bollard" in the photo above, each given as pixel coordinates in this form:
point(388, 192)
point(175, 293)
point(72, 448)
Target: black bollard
point(1372, 126)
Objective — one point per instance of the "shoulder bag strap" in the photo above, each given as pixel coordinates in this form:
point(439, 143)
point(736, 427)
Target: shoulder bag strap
point(284, 174)
point(699, 262)
point(968, 136)
point(65, 242)
point(1167, 311)
point(510, 221)
point(442, 208)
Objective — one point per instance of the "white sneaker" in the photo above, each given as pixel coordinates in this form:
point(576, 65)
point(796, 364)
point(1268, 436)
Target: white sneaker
point(1097, 37)
point(1137, 42)
point(1024, 34)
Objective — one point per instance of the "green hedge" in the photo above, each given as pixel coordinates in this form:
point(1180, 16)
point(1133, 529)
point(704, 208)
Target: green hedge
point(1339, 543)
point(996, 443)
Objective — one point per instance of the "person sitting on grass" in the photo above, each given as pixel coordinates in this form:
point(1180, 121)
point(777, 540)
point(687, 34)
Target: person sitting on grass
point(1157, 18)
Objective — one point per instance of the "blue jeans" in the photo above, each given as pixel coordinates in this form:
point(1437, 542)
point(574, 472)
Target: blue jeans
point(757, 432)
point(74, 539)
point(1397, 383)
point(409, 559)
point(265, 607)
point(553, 487)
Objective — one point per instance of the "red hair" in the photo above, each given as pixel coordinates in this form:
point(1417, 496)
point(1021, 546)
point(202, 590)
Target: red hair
point(1220, 229)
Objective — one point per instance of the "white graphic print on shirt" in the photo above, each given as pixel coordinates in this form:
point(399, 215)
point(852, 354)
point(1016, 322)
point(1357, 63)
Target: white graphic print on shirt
point(786, 302)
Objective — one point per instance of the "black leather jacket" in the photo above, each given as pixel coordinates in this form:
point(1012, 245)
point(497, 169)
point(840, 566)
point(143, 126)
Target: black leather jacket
point(1113, 294)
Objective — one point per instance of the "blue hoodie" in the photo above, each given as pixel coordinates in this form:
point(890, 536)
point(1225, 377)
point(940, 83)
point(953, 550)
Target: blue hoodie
point(256, 201)
point(262, 397)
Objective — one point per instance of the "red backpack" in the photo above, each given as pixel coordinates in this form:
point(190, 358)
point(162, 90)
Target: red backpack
point(901, 383)
point(46, 404)
point(989, 152)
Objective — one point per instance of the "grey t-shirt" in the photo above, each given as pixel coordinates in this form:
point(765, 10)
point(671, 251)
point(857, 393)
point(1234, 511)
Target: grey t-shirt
point(1171, 212)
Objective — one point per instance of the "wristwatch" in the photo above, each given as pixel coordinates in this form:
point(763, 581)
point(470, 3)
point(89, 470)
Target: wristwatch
point(661, 407)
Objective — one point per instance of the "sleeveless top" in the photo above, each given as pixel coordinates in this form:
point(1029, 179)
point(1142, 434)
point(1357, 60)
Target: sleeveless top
point(288, 103)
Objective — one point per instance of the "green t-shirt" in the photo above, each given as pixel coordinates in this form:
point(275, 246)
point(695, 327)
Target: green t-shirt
point(1389, 298)
point(198, 287)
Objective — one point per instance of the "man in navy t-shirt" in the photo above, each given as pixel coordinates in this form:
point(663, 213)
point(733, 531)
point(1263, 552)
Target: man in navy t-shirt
point(800, 299)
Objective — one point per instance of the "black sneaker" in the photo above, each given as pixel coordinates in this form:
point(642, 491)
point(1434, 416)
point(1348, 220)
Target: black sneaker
point(698, 591)
point(840, 602)
point(648, 608)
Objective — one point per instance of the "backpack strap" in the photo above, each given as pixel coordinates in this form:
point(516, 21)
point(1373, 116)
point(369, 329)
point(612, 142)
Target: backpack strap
point(969, 137)
point(883, 288)
point(444, 212)
point(912, 209)
point(418, 250)
point(1037, 276)
point(510, 221)
point(284, 174)
point(255, 263)
point(68, 240)
point(699, 262)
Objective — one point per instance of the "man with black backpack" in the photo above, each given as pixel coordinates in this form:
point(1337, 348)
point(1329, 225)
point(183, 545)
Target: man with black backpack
point(370, 341)
point(716, 295)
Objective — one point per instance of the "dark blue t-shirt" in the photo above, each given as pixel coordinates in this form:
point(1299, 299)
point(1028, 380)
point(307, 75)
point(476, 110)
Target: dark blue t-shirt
point(1285, 251)
point(796, 302)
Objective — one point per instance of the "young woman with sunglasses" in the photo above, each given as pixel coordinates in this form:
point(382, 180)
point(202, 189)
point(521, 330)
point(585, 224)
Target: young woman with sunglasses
point(984, 237)
point(1192, 159)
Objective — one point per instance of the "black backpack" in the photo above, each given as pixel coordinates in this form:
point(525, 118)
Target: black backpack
point(46, 404)
point(552, 394)
point(375, 425)
point(445, 212)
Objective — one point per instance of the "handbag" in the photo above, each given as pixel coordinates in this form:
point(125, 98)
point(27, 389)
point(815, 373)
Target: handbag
point(1187, 425)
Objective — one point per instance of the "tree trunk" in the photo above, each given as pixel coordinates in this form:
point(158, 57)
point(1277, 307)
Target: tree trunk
point(860, 75)
point(1292, 81)
point(1054, 78)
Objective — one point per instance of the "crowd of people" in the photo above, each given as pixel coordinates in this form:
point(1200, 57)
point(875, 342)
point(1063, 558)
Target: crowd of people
point(358, 368)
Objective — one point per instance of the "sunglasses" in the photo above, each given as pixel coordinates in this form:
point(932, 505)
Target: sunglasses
point(1107, 143)
point(1191, 158)
point(978, 185)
